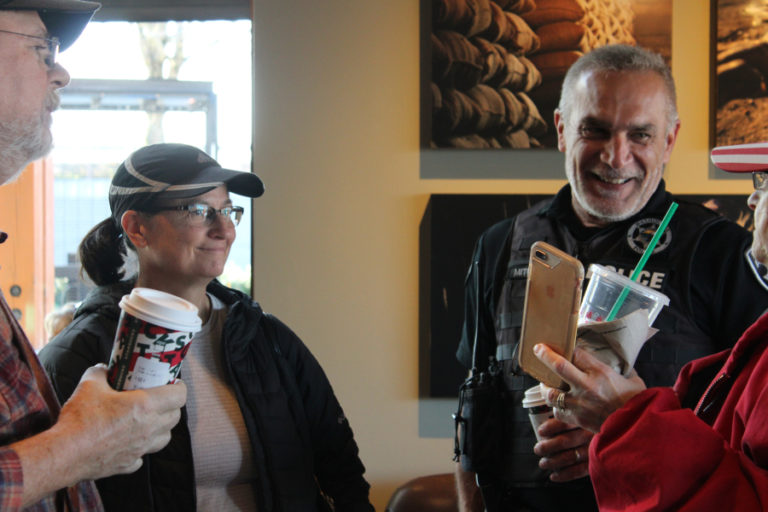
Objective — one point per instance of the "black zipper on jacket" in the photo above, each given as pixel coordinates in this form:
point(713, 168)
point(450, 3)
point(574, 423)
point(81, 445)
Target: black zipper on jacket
point(717, 390)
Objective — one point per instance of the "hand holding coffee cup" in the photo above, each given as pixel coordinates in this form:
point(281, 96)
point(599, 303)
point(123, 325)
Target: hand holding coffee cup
point(562, 447)
point(152, 338)
point(107, 432)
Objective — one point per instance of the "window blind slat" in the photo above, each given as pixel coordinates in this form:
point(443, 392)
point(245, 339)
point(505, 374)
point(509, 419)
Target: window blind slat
point(177, 10)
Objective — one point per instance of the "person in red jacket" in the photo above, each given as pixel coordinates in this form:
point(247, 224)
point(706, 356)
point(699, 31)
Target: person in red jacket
point(701, 445)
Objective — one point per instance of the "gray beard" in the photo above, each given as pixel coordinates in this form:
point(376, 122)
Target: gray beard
point(22, 142)
point(602, 216)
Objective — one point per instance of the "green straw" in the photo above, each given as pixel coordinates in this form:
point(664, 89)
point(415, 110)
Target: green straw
point(646, 254)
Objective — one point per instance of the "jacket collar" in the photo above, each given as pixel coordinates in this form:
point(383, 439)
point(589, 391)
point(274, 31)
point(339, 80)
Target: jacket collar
point(756, 334)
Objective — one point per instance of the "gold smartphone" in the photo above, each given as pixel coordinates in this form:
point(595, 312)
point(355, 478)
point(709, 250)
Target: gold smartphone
point(551, 311)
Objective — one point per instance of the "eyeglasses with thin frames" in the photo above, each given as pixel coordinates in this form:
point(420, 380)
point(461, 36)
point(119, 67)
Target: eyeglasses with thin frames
point(202, 214)
point(51, 46)
point(760, 180)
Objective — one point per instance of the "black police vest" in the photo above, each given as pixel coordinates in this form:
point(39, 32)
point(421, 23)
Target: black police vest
point(619, 247)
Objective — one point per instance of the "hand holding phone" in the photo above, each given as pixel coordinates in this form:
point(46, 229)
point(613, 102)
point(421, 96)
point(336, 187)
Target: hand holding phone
point(551, 310)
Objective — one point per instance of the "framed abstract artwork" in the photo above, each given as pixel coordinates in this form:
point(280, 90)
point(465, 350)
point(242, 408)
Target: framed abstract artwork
point(739, 72)
point(491, 70)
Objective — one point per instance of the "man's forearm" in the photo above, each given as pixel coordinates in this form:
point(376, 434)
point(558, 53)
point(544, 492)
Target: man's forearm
point(470, 499)
point(48, 464)
point(99, 432)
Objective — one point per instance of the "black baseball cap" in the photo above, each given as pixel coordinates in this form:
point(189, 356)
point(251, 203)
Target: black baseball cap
point(173, 171)
point(64, 19)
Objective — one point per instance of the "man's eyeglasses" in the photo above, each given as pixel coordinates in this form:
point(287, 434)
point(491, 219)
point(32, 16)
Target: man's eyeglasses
point(51, 46)
point(202, 214)
point(760, 180)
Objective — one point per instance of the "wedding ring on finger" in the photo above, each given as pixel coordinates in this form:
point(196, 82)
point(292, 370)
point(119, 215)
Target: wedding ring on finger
point(578, 455)
point(560, 401)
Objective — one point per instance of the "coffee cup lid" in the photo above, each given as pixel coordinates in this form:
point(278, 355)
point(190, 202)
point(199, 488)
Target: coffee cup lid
point(533, 397)
point(161, 308)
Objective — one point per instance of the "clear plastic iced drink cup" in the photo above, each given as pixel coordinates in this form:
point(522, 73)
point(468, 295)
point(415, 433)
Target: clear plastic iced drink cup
point(607, 287)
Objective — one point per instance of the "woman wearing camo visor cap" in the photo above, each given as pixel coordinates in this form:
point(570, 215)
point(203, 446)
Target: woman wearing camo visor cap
point(262, 429)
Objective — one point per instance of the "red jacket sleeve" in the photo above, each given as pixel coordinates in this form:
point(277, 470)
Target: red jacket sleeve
point(653, 455)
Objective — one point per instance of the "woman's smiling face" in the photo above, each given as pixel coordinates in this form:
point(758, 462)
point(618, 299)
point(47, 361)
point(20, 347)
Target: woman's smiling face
point(187, 250)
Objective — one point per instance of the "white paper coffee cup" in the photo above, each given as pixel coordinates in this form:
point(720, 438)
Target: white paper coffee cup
point(152, 338)
point(538, 410)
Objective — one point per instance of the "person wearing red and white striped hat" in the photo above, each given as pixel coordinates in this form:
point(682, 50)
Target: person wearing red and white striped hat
point(752, 158)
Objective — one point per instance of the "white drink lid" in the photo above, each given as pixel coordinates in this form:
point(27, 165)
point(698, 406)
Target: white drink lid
point(533, 397)
point(161, 308)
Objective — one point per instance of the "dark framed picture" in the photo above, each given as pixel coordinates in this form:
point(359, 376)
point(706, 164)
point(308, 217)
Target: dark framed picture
point(739, 72)
point(491, 70)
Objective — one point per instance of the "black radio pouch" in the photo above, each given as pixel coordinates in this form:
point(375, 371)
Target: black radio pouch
point(478, 421)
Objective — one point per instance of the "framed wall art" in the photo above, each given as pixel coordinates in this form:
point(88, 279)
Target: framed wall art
point(739, 72)
point(491, 70)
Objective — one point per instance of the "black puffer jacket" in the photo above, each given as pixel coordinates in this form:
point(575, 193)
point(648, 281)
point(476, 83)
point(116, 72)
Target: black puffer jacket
point(302, 443)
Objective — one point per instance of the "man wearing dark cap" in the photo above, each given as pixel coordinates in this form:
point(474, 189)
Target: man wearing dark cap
point(31, 34)
point(48, 453)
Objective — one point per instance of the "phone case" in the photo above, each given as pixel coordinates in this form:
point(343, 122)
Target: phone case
point(551, 310)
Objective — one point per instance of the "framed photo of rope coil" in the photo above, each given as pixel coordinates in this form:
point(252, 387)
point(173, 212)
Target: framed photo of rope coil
point(491, 70)
point(739, 72)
